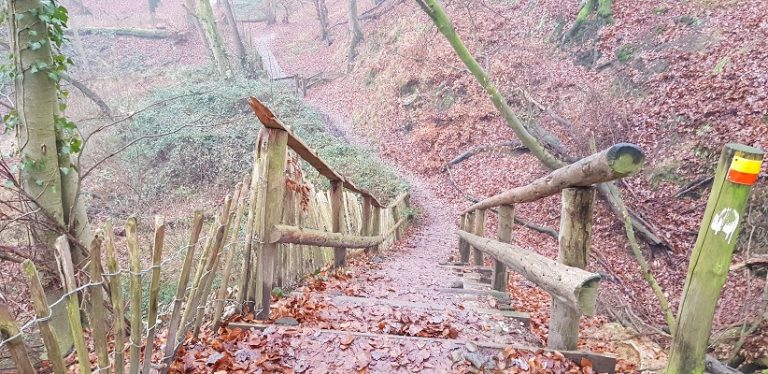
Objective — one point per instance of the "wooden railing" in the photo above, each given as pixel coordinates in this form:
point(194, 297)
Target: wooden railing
point(573, 289)
point(372, 234)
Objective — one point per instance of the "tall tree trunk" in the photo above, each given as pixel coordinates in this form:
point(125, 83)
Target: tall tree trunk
point(355, 31)
point(37, 105)
point(194, 21)
point(242, 55)
point(322, 16)
point(205, 15)
point(269, 12)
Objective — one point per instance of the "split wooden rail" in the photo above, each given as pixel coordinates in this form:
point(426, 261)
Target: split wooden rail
point(573, 289)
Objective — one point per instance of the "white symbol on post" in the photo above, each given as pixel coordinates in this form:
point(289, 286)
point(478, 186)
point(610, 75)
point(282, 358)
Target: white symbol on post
point(726, 222)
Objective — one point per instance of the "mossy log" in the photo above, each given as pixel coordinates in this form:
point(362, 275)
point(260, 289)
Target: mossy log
point(131, 32)
point(613, 163)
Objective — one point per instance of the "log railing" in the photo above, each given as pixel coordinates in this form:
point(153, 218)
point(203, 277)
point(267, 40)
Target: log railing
point(356, 219)
point(573, 289)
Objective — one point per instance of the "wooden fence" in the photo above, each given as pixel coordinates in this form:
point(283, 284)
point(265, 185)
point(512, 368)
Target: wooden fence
point(573, 289)
point(275, 223)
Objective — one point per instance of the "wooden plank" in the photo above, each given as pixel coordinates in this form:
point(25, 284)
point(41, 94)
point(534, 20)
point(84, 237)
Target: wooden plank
point(471, 291)
point(9, 329)
point(574, 241)
point(186, 270)
point(64, 258)
point(116, 287)
point(98, 313)
point(276, 157)
point(613, 163)
point(600, 363)
point(522, 317)
point(154, 290)
point(506, 221)
point(246, 290)
point(134, 258)
point(375, 228)
point(42, 312)
point(570, 284)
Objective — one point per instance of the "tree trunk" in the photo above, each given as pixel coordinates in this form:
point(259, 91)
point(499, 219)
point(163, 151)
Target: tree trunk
point(205, 15)
point(322, 16)
point(355, 31)
point(240, 52)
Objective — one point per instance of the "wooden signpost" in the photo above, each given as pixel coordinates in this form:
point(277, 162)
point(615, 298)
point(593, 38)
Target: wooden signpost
point(710, 260)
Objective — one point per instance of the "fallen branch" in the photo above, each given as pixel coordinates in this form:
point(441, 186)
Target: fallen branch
point(131, 32)
point(515, 149)
point(752, 262)
point(103, 107)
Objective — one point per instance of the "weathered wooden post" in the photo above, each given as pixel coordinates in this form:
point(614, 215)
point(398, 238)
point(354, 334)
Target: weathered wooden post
point(276, 157)
point(98, 314)
point(64, 259)
point(376, 225)
point(465, 225)
point(9, 329)
point(737, 172)
point(504, 233)
point(42, 312)
point(154, 290)
point(396, 218)
point(134, 258)
point(337, 210)
point(365, 217)
point(575, 235)
point(115, 286)
point(479, 230)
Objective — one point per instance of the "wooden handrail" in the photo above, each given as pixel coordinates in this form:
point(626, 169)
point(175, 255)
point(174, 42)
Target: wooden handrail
point(269, 120)
point(286, 234)
point(575, 287)
point(613, 163)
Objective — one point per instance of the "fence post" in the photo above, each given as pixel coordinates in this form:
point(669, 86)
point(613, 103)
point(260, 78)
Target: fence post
point(42, 311)
point(64, 258)
point(181, 289)
point(154, 290)
point(134, 258)
point(479, 230)
point(737, 171)
point(8, 329)
point(464, 249)
point(98, 315)
point(337, 212)
point(376, 225)
point(574, 241)
point(115, 286)
point(276, 157)
point(504, 234)
point(365, 219)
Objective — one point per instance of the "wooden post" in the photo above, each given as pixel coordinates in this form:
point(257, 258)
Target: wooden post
point(154, 289)
point(276, 156)
point(232, 247)
point(134, 258)
point(98, 314)
point(116, 287)
point(737, 171)
point(479, 230)
point(181, 289)
point(376, 225)
point(337, 210)
point(504, 234)
point(64, 258)
point(469, 224)
point(365, 217)
point(575, 236)
point(42, 311)
point(9, 329)
point(465, 225)
point(201, 296)
point(246, 292)
point(395, 218)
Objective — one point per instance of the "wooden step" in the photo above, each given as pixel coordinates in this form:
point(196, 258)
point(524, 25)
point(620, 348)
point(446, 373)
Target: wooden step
point(524, 318)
